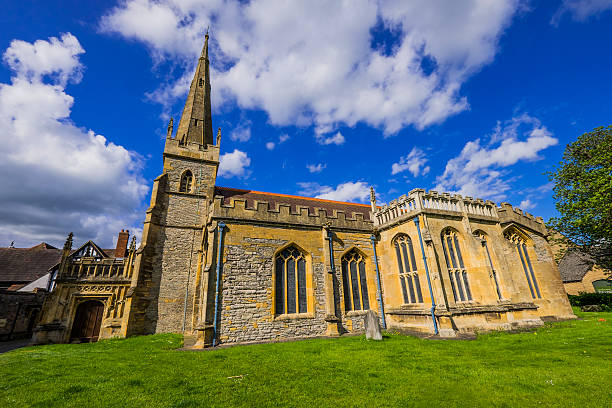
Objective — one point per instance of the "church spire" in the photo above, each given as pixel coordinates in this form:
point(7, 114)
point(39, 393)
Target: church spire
point(196, 122)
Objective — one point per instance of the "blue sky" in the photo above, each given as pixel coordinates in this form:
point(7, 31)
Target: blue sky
point(314, 98)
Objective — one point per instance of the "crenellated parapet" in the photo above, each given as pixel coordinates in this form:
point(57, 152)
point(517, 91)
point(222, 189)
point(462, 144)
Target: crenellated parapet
point(509, 214)
point(236, 209)
point(446, 204)
point(176, 147)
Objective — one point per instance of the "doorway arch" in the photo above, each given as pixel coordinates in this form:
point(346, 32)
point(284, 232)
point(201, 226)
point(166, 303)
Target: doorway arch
point(87, 321)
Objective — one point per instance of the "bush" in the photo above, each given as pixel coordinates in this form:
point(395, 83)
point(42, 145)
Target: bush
point(587, 299)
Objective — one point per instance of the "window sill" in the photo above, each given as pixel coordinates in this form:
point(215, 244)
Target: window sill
point(294, 316)
point(353, 313)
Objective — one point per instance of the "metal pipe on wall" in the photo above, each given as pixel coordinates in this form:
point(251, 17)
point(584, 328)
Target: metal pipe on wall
point(433, 302)
point(221, 227)
point(379, 290)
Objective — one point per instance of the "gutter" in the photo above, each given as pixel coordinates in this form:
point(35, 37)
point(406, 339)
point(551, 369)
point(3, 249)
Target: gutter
point(433, 302)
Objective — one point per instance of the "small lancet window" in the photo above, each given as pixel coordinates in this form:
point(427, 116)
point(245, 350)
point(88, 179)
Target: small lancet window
point(290, 282)
point(186, 182)
point(408, 273)
point(521, 247)
point(354, 282)
point(456, 269)
point(201, 82)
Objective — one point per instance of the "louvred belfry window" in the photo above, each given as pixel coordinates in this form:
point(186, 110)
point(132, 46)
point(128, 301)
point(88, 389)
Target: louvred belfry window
point(456, 269)
point(354, 281)
point(290, 282)
point(521, 247)
point(186, 181)
point(407, 269)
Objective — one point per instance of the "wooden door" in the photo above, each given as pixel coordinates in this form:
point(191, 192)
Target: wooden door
point(87, 321)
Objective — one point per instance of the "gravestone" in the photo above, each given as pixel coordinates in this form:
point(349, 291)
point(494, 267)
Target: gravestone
point(372, 327)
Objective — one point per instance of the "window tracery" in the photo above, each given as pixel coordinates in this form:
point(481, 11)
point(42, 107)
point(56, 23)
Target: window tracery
point(407, 269)
point(354, 281)
point(521, 247)
point(290, 281)
point(456, 268)
point(493, 272)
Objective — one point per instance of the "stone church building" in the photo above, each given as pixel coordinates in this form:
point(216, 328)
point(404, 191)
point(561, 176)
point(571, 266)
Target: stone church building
point(224, 265)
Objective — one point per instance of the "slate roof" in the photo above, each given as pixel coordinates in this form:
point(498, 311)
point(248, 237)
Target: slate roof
point(27, 264)
point(574, 265)
point(273, 199)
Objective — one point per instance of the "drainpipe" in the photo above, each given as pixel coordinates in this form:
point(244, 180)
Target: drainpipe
point(221, 226)
point(433, 302)
point(331, 249)
point(379, 293)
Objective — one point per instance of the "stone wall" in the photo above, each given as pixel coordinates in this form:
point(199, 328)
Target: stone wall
point(246, 298)
point(19, 312)
point(586, 284)
point(173, 249)
point(516, 308)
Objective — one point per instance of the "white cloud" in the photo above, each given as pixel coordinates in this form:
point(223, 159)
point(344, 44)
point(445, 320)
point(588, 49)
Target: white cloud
point(316, 168)
point(283, 138)
point(581, 10)
point(58, 57)
point(349, 191)
point(56, 176)
point(242, 133)
point(527, 204)
point(234, 164)
point(270, 145)
point(314, 63)
point(336, 139)
point(481, 170)
point(413, 162)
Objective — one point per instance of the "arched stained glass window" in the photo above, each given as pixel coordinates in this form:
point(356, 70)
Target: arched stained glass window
point(521, 247)
point(407, 269)
point(186, 182)
point(354, 281)
point(290, 281)
point(456, 268)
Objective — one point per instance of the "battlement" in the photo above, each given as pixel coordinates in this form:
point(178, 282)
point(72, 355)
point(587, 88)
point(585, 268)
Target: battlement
point(188, 149)
point(280, 213)
point(508, 214)
point(433, 202)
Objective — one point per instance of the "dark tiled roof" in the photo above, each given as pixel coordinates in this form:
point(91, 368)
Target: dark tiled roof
point(27, 264)
point(274, 199)
point(574, 265)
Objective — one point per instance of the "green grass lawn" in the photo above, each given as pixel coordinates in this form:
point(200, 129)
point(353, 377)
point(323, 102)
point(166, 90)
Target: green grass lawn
point(567, 364)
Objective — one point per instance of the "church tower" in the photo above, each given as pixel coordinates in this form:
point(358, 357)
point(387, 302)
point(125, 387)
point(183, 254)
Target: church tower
point(169, 261)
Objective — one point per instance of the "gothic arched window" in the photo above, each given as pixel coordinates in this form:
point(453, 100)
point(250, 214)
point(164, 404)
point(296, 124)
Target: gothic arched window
point(456, 268)
point(186, 181)
point(521, 247)
point(290, 281)
point(408, 274)
point(354, 281)
point(493, 273)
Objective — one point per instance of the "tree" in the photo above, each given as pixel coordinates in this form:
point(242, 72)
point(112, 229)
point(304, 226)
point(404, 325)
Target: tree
point(583, 193)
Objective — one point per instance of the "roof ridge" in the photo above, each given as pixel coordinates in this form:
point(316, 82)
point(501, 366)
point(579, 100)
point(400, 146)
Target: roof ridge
point(292, 196)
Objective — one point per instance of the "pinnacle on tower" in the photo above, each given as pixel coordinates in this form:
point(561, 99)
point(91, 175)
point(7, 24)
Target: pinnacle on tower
point(195, 125)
